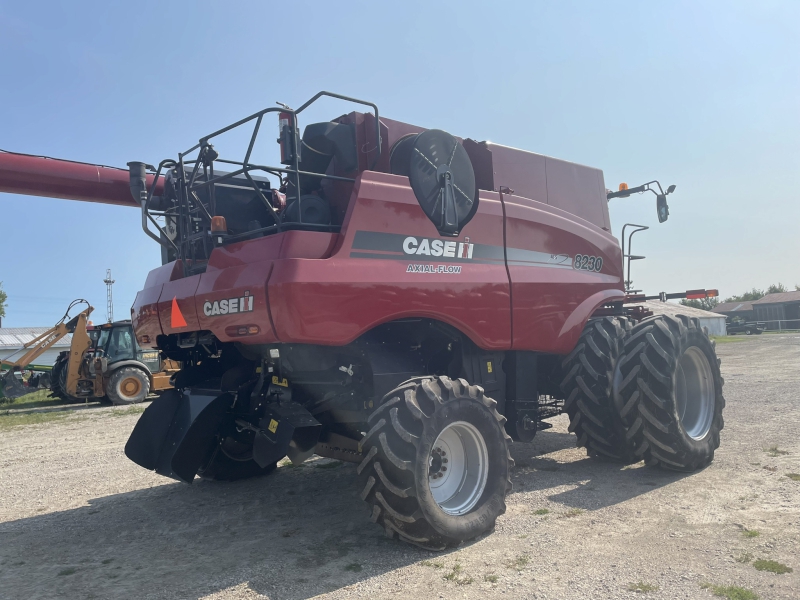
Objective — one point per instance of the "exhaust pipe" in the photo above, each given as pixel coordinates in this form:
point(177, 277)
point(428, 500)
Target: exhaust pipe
point(137, 175)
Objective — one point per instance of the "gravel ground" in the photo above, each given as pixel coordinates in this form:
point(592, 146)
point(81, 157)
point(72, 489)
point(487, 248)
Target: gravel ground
point(78, 520)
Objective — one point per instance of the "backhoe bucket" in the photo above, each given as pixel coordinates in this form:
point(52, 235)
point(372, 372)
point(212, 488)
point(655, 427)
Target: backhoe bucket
point(176, 433)
point(11, 387)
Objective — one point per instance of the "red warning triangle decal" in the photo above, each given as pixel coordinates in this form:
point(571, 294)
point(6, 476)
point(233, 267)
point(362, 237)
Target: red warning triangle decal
point(177, 320)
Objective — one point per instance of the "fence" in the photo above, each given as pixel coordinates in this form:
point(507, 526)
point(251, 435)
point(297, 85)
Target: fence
point(782, 325)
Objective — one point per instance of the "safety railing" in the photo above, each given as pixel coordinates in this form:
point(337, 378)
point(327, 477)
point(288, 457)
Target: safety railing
point(198, 175)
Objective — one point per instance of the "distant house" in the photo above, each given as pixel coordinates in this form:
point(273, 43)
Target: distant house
point(12, 339)
point(779, 311)
point(744, 310)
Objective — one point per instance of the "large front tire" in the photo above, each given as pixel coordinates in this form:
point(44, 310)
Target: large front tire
point(437, 464)
point(670, 393)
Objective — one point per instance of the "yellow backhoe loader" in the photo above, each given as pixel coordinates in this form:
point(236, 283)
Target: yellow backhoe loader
point(103, 363)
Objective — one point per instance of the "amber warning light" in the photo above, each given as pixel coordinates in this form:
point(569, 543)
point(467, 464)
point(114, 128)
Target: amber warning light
point(218, 225)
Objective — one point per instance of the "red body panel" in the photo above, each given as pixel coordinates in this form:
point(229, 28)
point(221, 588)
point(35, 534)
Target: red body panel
point(550, 298)
point(336, 300)
point(325, 288)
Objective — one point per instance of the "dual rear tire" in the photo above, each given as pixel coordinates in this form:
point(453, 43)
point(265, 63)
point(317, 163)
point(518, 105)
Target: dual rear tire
point(649, 392)
point(670, 393)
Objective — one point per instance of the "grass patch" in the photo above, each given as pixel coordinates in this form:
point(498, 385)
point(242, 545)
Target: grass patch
point(773, 566)
point(750, 533)
point(8, 419)
point(731, 592)
point(289, 464)
point(541, 511)
point(67, 571)
point(491, 578)
point(642, 587)
point(744, 558)
point(519, 563)
point(793, 476)
point(775, 451)
point(37, 399)
point(330, 465)
point(354, 567)
point(131, 410)
point(433, 565)
point(728, 339)
point(455, 576)
point(572, 512)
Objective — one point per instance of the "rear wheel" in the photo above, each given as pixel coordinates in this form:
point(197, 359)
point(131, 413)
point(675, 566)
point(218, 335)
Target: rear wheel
point(58, 379)
point(128, 385)
point(436, 466)
point(587, 387)
point(670, 390)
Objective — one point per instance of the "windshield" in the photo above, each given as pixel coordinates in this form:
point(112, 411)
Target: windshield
point(120, 345)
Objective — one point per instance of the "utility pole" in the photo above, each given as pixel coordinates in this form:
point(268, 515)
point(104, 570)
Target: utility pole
point(109, 299)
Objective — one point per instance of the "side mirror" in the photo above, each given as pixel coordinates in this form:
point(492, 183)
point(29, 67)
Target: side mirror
point(662, 208)
point(671, 189)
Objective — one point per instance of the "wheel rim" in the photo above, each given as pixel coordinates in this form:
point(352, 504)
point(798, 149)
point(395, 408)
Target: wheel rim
point(130, 386)
point(458, 467)
point(695, 393)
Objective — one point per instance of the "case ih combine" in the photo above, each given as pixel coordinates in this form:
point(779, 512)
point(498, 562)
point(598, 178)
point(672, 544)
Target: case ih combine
point(403, 299)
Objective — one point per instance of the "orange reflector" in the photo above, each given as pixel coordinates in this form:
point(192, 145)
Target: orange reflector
point(695, 294)
point(712, 293)
point(176, 318)
point(623, 187)
point(145, 339)
point(241, 330)
point(218, 225)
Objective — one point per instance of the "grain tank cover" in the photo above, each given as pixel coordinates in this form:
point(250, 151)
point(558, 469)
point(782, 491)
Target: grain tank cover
point(575, 188)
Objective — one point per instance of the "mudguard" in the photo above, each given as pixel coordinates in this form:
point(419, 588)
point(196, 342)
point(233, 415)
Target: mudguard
point(175, 433)
point(286, 429)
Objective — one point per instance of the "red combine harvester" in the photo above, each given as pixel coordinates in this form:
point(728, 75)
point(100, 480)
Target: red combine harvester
point(406, 300)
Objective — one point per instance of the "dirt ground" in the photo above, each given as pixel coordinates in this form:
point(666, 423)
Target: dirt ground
point(78, 520)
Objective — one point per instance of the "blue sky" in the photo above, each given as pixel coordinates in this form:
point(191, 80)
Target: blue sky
point(705, 95)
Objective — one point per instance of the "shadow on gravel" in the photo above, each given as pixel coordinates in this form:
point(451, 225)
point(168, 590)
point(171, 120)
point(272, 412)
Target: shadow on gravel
point(595, 483)
point(295, 534)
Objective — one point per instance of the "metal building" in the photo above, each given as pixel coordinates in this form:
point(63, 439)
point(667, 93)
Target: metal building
point(779, 311)
point(714, 322)
point(13, 338)
point(744, 310)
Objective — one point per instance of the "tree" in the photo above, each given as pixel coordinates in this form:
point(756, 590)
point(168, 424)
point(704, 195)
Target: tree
point(702, 303)
point(776, 289)
point(3, 298)
point(754, 294)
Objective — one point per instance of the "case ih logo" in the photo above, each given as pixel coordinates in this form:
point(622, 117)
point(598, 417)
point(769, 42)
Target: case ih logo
point(447, 249)
point(229, 306)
